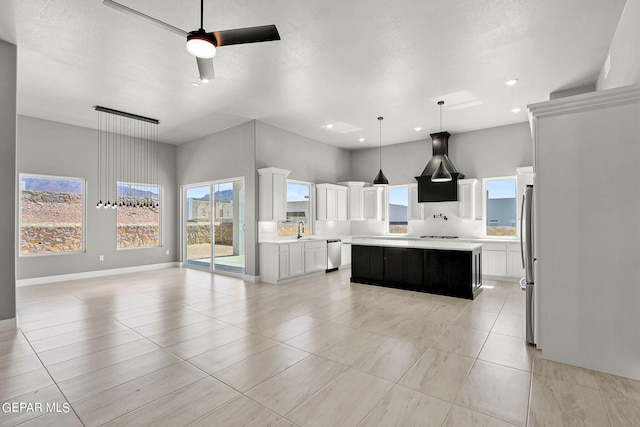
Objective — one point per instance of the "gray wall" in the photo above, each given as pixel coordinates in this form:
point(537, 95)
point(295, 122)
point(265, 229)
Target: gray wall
point(624, 50)
point(52, 148)
point(478, 154)
point(7, 180)
point(307, 159)
point(226, 154)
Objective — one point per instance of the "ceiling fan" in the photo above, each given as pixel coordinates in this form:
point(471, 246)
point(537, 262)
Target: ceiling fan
point(202, 44)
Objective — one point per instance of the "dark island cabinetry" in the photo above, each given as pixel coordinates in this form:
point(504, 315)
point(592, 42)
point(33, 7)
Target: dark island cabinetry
point(447, 272)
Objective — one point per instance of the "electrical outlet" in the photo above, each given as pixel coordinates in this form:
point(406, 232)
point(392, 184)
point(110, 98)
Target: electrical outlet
point(167, 252)
point(101, 257)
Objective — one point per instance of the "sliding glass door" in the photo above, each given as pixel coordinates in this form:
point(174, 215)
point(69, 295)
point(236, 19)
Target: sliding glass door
point(198, 226)
point(214, 225)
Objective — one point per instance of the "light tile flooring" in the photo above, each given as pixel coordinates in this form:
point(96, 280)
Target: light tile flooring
point(183, 347)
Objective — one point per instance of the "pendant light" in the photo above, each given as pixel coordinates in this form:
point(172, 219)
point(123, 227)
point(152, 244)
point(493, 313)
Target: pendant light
point(380, 179)
point(441, 174)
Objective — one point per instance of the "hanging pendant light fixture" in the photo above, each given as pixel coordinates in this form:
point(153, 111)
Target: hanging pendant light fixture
point(441, 174)
point(380, 179)
point(127, 156)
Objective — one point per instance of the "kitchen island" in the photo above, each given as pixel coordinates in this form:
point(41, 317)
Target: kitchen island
point(439, 267)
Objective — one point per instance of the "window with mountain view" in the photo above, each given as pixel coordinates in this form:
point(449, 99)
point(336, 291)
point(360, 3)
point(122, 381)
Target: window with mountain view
point(398, 209)
point(51, 214)
point(138, 215)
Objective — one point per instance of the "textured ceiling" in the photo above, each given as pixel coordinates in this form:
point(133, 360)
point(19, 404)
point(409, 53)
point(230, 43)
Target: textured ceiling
point(344, 62)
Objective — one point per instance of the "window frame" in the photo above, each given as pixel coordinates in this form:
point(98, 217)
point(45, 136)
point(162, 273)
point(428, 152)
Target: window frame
point(84, 215)
point(312, 204)
point(387, 199)
point(160, 217)
point(484, 207)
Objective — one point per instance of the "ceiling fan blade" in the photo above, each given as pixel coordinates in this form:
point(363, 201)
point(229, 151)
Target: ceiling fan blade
point(205, 66)
point(151, 19)
point(264, 33)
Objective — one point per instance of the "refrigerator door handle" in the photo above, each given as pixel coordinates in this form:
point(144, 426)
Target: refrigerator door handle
point(521, 230)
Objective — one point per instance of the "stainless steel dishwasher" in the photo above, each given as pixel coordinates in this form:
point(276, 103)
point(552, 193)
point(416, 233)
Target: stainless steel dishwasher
point(334, 254)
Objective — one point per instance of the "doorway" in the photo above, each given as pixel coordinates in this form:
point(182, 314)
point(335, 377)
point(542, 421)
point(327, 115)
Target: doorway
point(214, 225)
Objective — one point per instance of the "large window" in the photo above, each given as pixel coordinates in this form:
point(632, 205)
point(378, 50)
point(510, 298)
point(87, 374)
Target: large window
point(298, 209)
point(51, 214)
point(138, 216)
point(398, 204)
point(500, 206)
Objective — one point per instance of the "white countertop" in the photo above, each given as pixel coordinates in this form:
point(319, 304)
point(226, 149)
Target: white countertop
point(419, 244)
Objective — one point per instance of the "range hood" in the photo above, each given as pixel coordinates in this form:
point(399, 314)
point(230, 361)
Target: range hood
point(429, 191)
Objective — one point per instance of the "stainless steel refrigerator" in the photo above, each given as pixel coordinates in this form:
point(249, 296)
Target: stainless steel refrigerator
point(526, 246)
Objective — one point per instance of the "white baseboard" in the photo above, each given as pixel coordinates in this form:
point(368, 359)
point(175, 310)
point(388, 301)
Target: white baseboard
point(8, 325)
point(252, 279)
point(92, 274)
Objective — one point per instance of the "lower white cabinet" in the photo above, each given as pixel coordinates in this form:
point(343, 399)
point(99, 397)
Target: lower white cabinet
point(502, 260)
point(345, 254)
point(514, 258)
point(494, 260)
point(281, 262)
point(315, 254)
point(296, 259)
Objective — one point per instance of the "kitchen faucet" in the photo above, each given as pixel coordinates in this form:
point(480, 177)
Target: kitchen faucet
point(300, 232)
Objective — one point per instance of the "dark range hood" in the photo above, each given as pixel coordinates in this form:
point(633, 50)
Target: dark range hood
point(429, 191)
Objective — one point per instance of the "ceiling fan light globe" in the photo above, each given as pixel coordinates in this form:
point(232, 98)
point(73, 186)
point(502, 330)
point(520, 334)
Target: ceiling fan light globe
point(200, 47)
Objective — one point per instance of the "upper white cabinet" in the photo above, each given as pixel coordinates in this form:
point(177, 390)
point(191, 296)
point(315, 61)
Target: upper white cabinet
point(373, 202)
point(416, 210)
point(331, 202)
point(273, 194)
point(355, 201)
point(467, 198)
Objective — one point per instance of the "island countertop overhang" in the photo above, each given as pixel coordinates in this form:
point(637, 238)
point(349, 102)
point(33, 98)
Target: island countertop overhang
point(418, 244)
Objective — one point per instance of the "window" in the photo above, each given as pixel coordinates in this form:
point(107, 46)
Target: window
point(298, 209)
point(51, 214)
point(138, 226)
point(398, 209)
point(500, 206)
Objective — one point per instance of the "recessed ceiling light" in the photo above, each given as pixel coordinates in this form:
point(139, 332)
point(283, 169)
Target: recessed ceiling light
point(329, 126)
point(361, 140)
point(511, 82)
point(515, 110)
point(418, 129)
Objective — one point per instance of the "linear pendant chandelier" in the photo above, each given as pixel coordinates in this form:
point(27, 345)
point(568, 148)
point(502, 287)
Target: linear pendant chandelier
point(127, 154)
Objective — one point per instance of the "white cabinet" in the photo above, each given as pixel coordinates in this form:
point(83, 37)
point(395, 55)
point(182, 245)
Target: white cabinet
point(494, 259)
point(331, 202)
point(355, 203)
point(373, 198)
point(273, 194)
point(346, 254)
point(285, 261)
point(416, 210)
point(296, 259)
point(315, 256)
point(467, 198)
point(515, 269)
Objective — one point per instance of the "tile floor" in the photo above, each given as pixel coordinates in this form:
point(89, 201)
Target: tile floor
point(183, 347)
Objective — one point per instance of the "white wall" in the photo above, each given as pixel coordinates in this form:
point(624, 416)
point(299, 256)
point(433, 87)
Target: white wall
point(8, 64)
point(624, 51)
point(52, 148)
point(226, 154)
point(307, 159)
point(588, 240)
point(478, 154)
